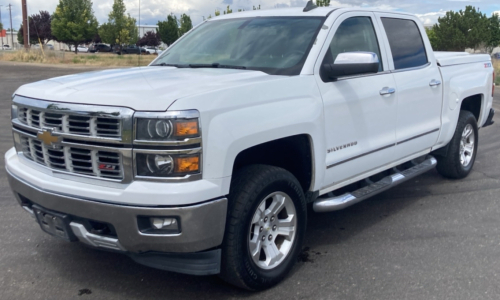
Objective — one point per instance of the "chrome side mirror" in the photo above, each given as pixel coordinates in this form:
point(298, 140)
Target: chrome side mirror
point(350, 64)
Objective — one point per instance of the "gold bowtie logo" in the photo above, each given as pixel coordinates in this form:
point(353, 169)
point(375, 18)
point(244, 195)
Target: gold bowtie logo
point(47, 138)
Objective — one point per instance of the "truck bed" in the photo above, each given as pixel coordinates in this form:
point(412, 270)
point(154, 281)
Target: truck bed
point(445, 59)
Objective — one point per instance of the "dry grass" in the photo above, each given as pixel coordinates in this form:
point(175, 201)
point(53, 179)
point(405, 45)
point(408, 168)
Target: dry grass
point(69, 58)
point(496, 65)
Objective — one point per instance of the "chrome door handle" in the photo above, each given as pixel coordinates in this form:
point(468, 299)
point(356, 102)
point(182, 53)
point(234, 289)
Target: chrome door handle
point(387, 91)
point(435, 82)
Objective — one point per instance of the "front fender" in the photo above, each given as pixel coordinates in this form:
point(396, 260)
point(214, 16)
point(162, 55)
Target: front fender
point(238, 118)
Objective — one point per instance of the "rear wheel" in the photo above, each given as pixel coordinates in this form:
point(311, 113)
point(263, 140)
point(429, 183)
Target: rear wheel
point(462, 149)
point(265, 227)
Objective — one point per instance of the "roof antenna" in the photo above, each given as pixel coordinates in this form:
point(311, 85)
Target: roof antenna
point(309, 6)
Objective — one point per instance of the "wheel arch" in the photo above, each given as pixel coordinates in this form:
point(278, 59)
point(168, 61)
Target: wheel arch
point(298, 157)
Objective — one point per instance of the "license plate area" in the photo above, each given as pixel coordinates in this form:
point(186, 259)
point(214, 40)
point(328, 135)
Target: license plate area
point(55, 224)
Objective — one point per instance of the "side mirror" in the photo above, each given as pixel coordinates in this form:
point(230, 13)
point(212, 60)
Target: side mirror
point(349, 64)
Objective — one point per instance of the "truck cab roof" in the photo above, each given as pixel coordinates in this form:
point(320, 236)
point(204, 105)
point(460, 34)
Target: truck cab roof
point(298, 11)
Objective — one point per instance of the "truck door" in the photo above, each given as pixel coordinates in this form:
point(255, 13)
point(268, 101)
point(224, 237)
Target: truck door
point(418, 84)
point(359, 111)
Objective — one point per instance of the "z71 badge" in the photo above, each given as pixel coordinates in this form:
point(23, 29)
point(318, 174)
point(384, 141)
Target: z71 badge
point(335, 149)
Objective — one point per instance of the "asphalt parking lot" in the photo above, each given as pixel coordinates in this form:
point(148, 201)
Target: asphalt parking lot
point(430, 238)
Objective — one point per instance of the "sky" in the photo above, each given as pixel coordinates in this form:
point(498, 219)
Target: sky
point(153, 10)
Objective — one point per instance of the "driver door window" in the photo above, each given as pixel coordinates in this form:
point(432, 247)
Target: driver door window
point(353, 35)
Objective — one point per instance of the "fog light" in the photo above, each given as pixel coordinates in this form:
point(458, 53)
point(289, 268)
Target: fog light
point(159, 225)
point(164, 224)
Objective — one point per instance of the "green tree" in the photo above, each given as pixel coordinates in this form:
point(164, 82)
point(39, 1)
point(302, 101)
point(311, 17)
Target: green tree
point(1, 26)
point(121, 27)
point(323, 3)
point(169, 29)
point(185, 24)
point(457, 31)
point(494, 33)
point(74, 22)
point(432, 37)
point(256, 8)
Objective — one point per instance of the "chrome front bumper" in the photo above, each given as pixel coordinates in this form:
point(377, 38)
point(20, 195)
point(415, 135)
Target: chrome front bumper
point(202, 225)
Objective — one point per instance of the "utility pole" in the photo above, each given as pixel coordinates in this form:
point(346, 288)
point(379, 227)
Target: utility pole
point(1, 45)
point(25, 25)
point(11, 33)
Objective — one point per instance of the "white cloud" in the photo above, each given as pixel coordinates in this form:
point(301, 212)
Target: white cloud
point(431, 18)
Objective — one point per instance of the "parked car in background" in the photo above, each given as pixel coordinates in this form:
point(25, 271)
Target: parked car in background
point(45, 47)
point(152, 50)
point(6, 47)
point(80, 49)
point(133, 49)
point(496, 55)
point(99, 48)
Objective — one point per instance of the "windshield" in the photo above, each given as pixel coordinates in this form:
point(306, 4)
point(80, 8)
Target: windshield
point(275, 45)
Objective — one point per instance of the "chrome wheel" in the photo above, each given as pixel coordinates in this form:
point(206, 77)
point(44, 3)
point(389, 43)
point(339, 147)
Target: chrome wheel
point(467, 145)
point(272, 230)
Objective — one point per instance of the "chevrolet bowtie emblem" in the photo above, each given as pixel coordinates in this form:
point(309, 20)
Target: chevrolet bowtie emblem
point(47, 138)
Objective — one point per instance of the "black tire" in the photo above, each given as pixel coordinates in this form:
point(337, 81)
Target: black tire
point(249, 187)
point(450, 166)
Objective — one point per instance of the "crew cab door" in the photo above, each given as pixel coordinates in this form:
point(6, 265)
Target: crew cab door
point(418, 84)
point(360, 118)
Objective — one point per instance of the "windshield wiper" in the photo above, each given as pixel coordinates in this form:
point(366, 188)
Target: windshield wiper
point(170, 65)
point(216, 65)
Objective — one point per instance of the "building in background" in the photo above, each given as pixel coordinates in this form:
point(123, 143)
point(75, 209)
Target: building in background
point(142, 29)
point(7, 40)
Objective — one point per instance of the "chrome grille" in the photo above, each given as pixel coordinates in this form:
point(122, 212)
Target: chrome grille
point(72, 123)
point(79, 125)
point(96, 163)
point(107, 127)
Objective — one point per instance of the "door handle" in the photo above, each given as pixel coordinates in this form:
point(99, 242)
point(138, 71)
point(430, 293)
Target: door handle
point(387, 91)
point(435, 82)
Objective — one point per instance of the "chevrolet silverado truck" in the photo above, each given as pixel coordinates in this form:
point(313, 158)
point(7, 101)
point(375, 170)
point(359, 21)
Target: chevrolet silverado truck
point(207, 160)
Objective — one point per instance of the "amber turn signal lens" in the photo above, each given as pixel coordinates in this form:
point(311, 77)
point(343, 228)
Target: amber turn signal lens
point(187, 164)
point(186, 128)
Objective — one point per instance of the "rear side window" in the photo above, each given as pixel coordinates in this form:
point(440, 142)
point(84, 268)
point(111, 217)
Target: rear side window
point(407, 46)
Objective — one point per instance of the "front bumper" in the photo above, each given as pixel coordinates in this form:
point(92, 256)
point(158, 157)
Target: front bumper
point(189, 251)
point(202, 225)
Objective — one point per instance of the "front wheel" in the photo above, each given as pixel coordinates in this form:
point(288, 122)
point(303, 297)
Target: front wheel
point(265, 227)
point(462, 150)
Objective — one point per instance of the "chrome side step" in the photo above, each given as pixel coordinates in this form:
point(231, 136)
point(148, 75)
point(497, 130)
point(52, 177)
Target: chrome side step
point(346, 200)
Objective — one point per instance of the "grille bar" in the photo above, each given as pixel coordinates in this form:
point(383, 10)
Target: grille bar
point(102, 164)
point(71, 123)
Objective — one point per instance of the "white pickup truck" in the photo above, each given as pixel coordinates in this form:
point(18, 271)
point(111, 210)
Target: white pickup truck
point(206, 161)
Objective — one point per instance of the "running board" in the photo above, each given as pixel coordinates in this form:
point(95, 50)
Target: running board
point(346, 200)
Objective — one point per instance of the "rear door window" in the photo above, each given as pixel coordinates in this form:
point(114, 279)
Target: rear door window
point(407, 46)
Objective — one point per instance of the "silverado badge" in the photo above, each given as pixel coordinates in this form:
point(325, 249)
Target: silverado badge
point(348, 145)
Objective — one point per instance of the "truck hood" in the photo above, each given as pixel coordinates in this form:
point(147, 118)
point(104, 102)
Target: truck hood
point(142, 89)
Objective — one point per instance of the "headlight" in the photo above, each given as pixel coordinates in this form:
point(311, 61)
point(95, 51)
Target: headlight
point(164, 164)
point(167, 146)
point(165, 127)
